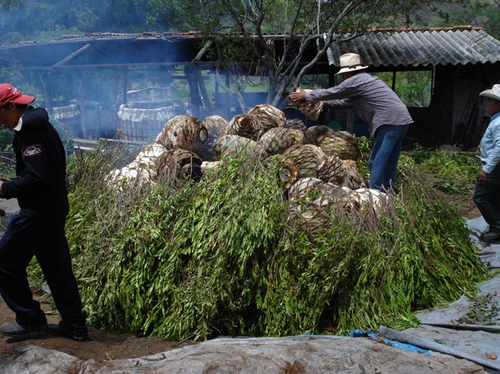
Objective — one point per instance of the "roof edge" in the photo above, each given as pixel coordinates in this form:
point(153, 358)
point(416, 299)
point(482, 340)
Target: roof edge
point(449, 28)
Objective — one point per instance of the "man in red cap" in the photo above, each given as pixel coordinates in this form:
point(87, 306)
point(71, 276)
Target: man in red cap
point(38, 230)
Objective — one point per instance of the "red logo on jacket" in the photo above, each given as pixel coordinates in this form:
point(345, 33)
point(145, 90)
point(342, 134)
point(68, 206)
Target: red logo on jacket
point(32, 150)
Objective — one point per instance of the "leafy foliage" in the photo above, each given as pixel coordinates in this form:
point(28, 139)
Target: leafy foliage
point(456, 172)
point(176, 15)
point(222, 256)
point(7, 165)
point(62, 17)
point(421, 154)
point(484, 13)
point(412, 87)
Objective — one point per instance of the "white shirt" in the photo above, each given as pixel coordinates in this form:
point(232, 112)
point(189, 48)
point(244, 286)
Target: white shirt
point(490, 145)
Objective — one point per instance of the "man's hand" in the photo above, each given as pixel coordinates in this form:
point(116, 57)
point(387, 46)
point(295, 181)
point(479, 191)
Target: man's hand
point(298, 96)
point(482, 176)
point(2, 179)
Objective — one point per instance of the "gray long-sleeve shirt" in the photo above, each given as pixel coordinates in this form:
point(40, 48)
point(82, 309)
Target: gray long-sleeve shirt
point(374, 101)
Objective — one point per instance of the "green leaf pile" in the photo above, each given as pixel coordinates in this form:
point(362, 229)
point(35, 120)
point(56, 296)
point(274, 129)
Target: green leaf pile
point(457, 172)
point(223, 256)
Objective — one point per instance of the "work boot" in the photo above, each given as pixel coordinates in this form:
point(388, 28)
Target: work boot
point(75, 331)
point(19, 331)
point(491, 235)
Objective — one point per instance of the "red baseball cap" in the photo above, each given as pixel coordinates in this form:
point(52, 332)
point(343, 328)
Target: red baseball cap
point(9, 93)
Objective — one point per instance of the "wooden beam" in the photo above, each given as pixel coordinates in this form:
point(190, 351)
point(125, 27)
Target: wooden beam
point(74, 54)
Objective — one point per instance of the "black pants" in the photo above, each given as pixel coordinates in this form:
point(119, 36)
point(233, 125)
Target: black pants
point(487, 198)
point(44, 238)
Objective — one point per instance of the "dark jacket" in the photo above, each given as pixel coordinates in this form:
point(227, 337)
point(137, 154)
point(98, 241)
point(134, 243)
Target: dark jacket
point(40, 185)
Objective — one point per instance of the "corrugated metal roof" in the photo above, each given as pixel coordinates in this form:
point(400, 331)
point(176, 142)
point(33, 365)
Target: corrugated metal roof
point(378, 48)
point(420, 48)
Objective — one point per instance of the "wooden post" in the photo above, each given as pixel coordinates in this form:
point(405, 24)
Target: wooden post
point(45, 77)
point(81, 102)
point(125, 85)
point(194, 92)
point(204, 93)
point(196, 81)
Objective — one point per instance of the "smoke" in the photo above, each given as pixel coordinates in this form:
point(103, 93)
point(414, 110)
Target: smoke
point(121, 78)
point(81, 60)
point(92, 61)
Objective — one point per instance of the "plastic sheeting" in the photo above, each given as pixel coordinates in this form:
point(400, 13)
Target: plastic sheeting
point(393, 343)
point(33, 359)
point(490, 252)
point(478, 344)
point(301, 354)
point(470, 325)
point(481, 307)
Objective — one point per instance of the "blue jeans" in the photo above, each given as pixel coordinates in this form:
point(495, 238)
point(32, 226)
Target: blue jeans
point(384, 158)
point(45, 238)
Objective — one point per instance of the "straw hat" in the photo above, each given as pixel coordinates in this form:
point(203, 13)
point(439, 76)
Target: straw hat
point(494, 93)
point(350, 62)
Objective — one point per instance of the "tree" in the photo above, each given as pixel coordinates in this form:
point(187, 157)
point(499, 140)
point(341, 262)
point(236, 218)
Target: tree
point(176, 15)
point(237, 32)
point(492, 16)
point(46, 19)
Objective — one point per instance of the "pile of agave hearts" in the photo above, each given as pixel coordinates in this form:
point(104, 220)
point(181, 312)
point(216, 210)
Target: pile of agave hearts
point(314, 158)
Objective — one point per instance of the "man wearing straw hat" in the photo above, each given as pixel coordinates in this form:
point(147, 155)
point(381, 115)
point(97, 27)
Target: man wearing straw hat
point(487, 191)
point(380, 109)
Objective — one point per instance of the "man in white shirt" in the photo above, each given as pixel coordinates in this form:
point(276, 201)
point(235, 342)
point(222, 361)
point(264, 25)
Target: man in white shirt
point(487, 191)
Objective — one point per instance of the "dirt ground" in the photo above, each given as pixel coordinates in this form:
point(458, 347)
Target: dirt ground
point(465, 203)
point(102, 346)
point(105, 346)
